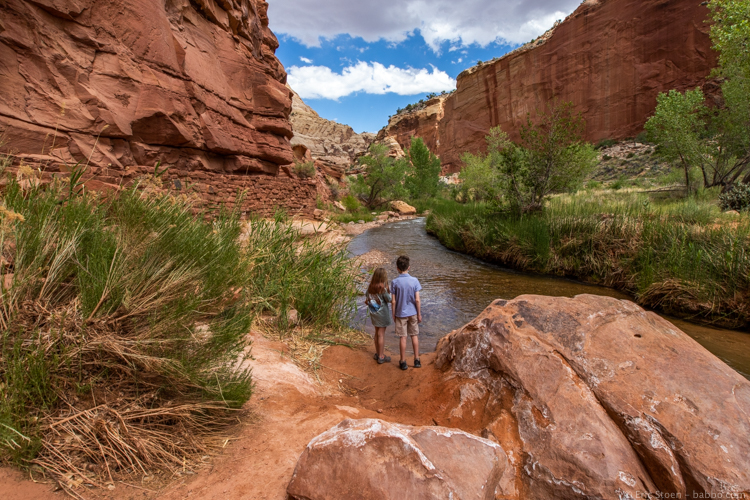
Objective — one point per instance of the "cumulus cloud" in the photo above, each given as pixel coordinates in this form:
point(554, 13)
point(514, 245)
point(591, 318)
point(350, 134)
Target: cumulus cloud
point(305, 60)
point(460, 22)
point(320, 82)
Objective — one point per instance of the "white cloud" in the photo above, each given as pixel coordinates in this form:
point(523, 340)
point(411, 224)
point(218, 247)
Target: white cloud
point(319, 82)
point(459, 22)
point(305, 60)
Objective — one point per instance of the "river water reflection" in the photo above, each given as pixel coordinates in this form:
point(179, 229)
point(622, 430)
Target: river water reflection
point(456, 288)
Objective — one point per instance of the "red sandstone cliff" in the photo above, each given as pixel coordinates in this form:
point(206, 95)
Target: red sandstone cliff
point(611, 58)
point(123, 84)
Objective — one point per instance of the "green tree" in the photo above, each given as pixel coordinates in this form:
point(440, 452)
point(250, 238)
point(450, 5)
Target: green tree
point(424, 181)
point(556, 158)
point(678, 127)
point(715, 139)
point(383, 178)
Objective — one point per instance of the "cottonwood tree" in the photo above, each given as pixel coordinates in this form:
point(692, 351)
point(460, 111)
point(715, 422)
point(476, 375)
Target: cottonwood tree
point(551, 158)
point(383, 178)
point(715, 139)
point(424, 179)
point(555, 158)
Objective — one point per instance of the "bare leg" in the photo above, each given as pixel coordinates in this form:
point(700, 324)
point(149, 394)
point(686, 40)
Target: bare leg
point(402, 347)
point(380, 341)
point(375, 338)
point(415, 345)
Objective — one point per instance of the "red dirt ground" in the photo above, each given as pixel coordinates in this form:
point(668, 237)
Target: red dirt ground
point(289, 408)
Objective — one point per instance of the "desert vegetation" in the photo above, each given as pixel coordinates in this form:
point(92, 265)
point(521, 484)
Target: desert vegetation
point(124, 322)
point(662, 237)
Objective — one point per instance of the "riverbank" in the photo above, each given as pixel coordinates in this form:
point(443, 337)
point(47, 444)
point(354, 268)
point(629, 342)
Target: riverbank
point(680, 256)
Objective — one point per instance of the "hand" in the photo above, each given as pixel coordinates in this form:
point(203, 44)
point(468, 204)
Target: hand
point(419, 318)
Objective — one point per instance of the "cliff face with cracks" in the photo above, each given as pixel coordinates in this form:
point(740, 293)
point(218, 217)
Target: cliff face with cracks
point(121, 85)
point(334, 146)
point(610, 58)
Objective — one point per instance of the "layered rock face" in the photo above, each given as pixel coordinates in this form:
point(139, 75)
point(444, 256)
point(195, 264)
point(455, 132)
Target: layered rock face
point(121, 85)
point(594, 397)
point(611, 58)
point(332, 145)
point(424, 123)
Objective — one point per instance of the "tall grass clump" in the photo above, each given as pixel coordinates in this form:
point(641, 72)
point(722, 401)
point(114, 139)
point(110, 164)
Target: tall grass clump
point(682, 256)
point(124, 323)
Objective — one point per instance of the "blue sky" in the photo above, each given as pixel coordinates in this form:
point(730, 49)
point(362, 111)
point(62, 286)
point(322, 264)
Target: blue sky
point(357, 62)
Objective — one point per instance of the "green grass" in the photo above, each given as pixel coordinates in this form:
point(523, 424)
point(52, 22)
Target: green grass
point(680, 255)
point(136, 309)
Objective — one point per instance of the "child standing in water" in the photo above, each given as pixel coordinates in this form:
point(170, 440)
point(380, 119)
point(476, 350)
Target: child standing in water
point(407, 310)
point(377, 299)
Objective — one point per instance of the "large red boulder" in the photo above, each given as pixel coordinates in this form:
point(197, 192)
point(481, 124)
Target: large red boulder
point(372, 459)
point(610, 401)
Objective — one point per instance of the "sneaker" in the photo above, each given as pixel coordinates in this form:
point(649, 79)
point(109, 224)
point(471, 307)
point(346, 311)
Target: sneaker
point(375, 356)
point(384, 359)
point(402, 365)
point(417, 363)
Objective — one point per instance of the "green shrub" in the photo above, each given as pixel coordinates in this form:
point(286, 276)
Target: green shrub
point(305, 170)
point(736, 198)
point(133, 311)
point(351, 203)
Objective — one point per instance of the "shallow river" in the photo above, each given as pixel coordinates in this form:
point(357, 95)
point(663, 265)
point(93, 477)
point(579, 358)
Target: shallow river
point(456, 288)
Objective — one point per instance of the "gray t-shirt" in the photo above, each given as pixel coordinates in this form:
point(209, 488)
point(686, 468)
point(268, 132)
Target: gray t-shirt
point(404, 289)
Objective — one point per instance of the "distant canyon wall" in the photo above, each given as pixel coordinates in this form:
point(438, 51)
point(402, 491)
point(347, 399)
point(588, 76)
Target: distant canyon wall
point(611, 58)
point(333, 146)
point(120, 85)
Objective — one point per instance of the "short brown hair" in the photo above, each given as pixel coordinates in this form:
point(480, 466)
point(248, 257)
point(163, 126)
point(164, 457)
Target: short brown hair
point(402, 263)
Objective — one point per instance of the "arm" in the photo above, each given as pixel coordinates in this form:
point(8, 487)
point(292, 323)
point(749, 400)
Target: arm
point(393, 307)
point(419, 307)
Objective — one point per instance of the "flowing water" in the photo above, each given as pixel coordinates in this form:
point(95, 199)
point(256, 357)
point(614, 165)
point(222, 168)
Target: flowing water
point(456, 288)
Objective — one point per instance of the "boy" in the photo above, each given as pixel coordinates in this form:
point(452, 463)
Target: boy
point(407, 310)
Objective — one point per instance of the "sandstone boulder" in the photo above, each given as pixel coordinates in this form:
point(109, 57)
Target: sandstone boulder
point(403, 208)
point(372, 459)
point(339, 206)
point(610, 401)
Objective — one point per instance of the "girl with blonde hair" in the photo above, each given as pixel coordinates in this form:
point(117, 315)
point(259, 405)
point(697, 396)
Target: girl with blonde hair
point(378, 299)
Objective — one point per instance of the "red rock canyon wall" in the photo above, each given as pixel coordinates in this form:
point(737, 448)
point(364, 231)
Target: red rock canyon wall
point(611, 58)
point(121, 85)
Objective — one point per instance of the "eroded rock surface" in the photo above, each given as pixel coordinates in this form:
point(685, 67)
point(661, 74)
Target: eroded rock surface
point(611, 58)
point(333, 146)
point(610, 401)
point(120, 85)
point(373, 459)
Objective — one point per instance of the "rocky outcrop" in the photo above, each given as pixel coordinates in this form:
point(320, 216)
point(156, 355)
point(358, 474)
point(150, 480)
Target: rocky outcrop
point(423, 122)
point(332, 145)
point(611, 58)
point(118, 86)
point(372, 459)
point(597, 398)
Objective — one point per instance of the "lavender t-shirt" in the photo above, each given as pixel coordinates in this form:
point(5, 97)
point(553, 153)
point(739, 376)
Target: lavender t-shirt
point(404, 289)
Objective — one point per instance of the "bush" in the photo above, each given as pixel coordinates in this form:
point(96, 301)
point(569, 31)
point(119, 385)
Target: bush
point(351, 203)
point(736, 198)
point(605, 143)
point(305, 170)
point(125, 324)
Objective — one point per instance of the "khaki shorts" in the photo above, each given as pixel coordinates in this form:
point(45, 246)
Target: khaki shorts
point(408, 325)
